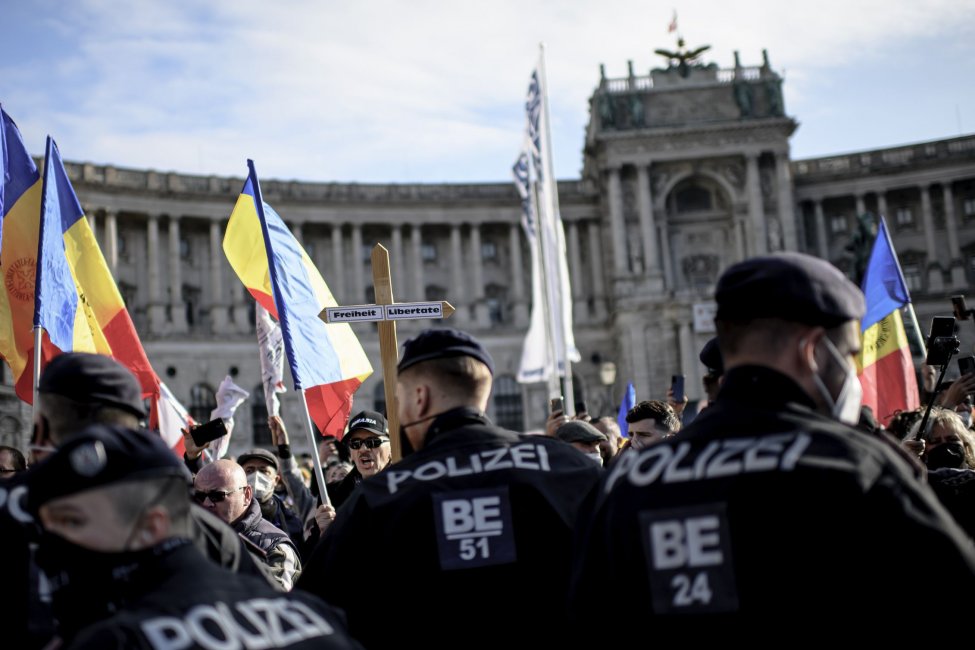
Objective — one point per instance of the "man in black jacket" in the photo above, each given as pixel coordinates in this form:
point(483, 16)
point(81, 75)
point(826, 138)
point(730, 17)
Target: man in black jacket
point(474, 526)
point(770, 511)
point(114, 507)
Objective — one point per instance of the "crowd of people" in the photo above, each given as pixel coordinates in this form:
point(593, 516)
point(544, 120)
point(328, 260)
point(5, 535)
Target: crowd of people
point(782, 503)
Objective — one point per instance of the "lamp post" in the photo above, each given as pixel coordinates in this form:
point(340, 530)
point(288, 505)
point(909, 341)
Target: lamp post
point(607, 376)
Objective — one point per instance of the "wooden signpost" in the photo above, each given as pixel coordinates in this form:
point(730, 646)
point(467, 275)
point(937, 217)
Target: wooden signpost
point(386, 311)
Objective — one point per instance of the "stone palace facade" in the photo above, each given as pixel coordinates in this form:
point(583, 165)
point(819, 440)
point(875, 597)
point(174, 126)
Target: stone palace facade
point(685, 171)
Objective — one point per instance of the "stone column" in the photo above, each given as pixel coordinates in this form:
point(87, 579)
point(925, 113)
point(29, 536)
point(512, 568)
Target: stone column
point(669, 280)
point(579, 308)
point(861, 204)
point(756, 209)
point(786, 204)
point(821, 242)
point(177, 308)
point(111, 243)
point(689, 361)
point(297, 231)
point(596, 265)
point(356, 263)
point(518, 276)
point(396, 268)
point(416, 239)
point(648, 230)
point(882, 203)
point(92, 222)
point(218, 300)
point(958, 279)
point(935, 278)
point(157, 311)
point(621, 262)
point(475, 259)
point(338, 265)
point(458, 297)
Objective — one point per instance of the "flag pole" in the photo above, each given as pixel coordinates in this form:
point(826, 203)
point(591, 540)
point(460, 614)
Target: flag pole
point(553, 197)
point(554, 390)
point(38, 337)
point(316, 460)
point(917, 328)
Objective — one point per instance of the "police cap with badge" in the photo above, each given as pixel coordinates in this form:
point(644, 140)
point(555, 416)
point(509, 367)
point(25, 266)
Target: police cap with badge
point(791, 286)
point(443, 343)
point(101, 455)
point(94, 380)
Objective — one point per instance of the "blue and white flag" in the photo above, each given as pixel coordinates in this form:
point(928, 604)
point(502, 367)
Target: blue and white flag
point(629, 401)
point(550, 329)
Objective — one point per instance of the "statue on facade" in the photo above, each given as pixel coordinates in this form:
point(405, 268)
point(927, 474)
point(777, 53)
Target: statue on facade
point(743, 97)
point(773, 96)
point(861, 244)
point(682, 58)
point(637, 113)
point(604, 105)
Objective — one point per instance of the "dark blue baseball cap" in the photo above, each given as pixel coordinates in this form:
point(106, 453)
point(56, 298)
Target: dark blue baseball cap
point(443, 343)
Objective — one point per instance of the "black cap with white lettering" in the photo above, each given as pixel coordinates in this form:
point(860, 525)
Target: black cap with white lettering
point(369, 421)
point(791, 286)
point(100, 455)
point(443, 343)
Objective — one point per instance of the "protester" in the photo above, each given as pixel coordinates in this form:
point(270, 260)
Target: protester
point(767, 513)
point(222, 489)
point(474, 525)
point(650, 421)
point(116, 516)
point(261, 468)
point(611, 446)
point(368, 442)
point(12, 462)
point(584, 437)
point(947, 441)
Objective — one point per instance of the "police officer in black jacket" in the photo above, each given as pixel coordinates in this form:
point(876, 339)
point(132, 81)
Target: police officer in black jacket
point(769, 513)
point(114, 506)
point(471, 533)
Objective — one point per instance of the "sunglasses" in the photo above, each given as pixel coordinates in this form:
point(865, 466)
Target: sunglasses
point(215, 496)
point(370, 443)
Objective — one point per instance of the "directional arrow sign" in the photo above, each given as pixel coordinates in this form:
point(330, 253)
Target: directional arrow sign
point(418, 310)
point(352, 314)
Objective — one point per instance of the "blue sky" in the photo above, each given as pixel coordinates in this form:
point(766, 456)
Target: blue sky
point(432, 91)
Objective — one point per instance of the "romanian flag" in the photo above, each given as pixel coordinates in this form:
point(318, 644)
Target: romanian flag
point(885, 363)
point(20, 205)
point(326, 361)
point(68, 291)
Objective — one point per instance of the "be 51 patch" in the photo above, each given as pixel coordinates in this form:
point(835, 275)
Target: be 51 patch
point(689, 562)
point(474, 528)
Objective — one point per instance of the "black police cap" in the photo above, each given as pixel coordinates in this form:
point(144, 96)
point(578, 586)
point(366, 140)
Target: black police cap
point(579, 431)
point(101, 455)
point(369, 421)
point(443, 343)
point(92, 379)
point(790, 286)
point(711, 357)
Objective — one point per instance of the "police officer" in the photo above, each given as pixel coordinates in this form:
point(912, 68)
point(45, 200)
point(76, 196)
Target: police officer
point(769, 509)
point(114, 506)
point(471, 531)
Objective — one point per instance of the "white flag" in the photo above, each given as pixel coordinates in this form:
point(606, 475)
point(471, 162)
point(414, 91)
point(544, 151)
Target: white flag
point(271, 343)
point(172, 417)
point(550, 331)
point(229, 397)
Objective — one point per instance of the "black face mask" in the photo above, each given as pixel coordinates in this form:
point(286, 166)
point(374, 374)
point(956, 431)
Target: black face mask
point(949, 455)
point(88, 585)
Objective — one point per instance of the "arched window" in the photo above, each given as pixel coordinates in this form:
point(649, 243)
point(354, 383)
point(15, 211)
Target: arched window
point(262, 435)
point(379, 398)
point(693, 198)
point(202, 402)
point(508, 407)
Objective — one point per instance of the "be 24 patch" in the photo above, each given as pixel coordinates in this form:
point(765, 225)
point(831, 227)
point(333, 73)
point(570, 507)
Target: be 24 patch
point(689, 561)
point(474, 528)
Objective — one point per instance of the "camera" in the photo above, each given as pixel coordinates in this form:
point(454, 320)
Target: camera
point(942, 342)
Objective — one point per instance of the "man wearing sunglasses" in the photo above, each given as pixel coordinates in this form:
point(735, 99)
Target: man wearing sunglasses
point(222, 489)
point(368, 443)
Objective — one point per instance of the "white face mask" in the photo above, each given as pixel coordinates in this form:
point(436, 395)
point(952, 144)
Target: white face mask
point(596, 457)
point(262, 485)
point(846, 406)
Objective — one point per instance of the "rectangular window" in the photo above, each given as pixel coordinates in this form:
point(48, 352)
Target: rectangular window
point(968, 207)
point(837, 224)
point(428, 252)
point(905, 217)
point(912, 276)
point(489, 251)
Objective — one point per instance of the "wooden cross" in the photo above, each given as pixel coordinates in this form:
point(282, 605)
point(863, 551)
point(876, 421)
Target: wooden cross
point(386, 312)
